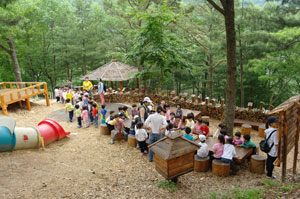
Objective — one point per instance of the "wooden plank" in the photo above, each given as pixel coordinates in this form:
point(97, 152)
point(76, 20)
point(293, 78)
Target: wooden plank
point(284, 154)
point(296, 144)
point(182, 169)
point(177, 162)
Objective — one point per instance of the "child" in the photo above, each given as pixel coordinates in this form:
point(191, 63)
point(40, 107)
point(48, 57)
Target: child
point(203, 151)
point(119, 128)
point(237, 139)
point(229, 152)
point(95, 114)
point(179, 111)
point(56, 92)
point(169, 129)
point(224, 133)
point(272, 140)
point(219, 128)
point(141, 136)
point(64, 96)
point(197, 127)
point(177, 122)
point(85, 116)
point(78, 115)
point(134, 110)
point(172, 117)
point(103, 114)
point(163, 113)
point(120, 109)
point(190, 122)
point(80, 103)
point(90, 110)
point(69, 109)
point(168, 112)
point(218, 148)
point(109, 121)
point(248, 143)
point(86, 100)
point(204, 128)
point(188, 130)
point(134, 122)
point(125, 109)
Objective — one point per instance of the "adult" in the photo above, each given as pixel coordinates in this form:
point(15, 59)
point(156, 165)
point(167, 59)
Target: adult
point(87, 85)
point(156, 122)
point(144, 110)
point(101, 91)
point(69, 83)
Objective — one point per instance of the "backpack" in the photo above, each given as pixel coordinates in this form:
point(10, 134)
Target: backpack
point(264, 144)
point(104, 88)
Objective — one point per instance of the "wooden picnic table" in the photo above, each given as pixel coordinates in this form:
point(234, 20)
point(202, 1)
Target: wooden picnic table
point(241, 152)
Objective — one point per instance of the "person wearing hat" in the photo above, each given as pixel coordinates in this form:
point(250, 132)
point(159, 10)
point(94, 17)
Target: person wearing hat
point(203, 151)
point(144, 110)
point(101, 91)
point(271, 133)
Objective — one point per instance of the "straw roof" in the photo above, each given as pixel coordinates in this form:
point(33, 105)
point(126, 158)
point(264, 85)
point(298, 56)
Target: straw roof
point(171, 147)
point(285, 105)
point(113, 71)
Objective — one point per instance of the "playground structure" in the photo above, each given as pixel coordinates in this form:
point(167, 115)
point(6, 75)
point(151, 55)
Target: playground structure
point(12, 92)
point(17, 138)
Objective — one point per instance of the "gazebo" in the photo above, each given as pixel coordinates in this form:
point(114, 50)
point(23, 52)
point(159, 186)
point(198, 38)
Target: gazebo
point(113, 71)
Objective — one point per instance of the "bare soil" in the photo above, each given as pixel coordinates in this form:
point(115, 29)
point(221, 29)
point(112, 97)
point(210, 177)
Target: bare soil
point(85, 165)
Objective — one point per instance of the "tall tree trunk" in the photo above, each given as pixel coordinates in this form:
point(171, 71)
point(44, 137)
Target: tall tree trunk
point(12, 53)
point(84, 58)
point(204, 84)
point(241, 69)
point(174, 80)
point(211, 68)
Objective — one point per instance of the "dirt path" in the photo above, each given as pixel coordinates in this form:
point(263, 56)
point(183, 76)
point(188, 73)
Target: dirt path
point(86, 166)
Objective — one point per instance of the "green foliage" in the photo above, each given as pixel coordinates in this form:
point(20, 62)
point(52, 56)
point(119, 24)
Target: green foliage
point(269, 182)
point(253, 193)
point(169, 185)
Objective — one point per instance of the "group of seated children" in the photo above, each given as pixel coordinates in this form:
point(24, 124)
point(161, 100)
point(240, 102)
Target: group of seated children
point(224, 150)
point(86, 110)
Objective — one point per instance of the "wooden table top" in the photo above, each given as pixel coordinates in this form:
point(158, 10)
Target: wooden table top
point(241, 152)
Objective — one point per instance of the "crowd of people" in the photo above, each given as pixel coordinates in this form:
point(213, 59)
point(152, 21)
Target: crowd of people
point(150, 122)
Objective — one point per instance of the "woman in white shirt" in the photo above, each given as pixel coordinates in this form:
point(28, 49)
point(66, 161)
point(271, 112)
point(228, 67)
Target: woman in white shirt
point(272, 136)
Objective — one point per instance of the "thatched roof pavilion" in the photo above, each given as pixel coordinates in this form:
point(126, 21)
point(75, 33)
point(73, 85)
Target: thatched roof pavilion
point(113, 71)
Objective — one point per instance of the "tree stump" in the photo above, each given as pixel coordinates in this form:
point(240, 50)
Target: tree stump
point(220, 168)
point(104, 129)
point(131, 140)
point(257, 164)
point(205, 118)
point(119, 136)
point(201, 164)
point(246, 129)
point(261, 131)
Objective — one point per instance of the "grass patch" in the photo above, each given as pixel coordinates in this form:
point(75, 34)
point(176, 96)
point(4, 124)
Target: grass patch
point(287, 188)
point(169, 185)
point(240, 194)
point(270, 183)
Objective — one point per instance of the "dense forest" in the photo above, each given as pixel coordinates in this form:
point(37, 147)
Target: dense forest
point(177, 45)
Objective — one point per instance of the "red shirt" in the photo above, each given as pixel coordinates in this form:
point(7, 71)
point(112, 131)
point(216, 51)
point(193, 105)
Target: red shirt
point(205, 130)
point(95, 112)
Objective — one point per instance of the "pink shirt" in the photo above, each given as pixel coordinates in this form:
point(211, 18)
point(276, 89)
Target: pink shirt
point(197, 129)
point(85, 115)
point(218, 149)
point(168, 114)
point(237, 141)
point(177, 124)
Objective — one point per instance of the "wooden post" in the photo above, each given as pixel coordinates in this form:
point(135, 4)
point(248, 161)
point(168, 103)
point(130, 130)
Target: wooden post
point(284, 154)
point(121, 85)
point(271, 107)
point(206, 100)
point(280, 127)
point(222, 102)
point(4, 85)
point(46, 95)
point(199, 99)
point(193, 98)
point(213, 102)
point(296, 142)
point(250, 106)
point(28, 104)
point(3, 105)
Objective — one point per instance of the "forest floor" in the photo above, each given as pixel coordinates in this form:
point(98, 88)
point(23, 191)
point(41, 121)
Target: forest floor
point(85, 165)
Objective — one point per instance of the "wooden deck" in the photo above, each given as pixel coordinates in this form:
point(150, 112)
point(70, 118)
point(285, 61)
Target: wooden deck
point(12, 92)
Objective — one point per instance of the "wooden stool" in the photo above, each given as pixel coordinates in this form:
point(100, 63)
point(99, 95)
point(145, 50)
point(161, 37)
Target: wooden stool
point(257, 164)
point(104, 129)
point(201, 164)
point(131, 140)
point(205, 118)
point(119, 136)
point(246, 129)
point(220, 168)
point(261, 131)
